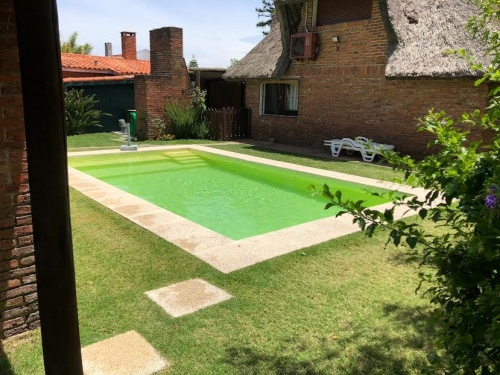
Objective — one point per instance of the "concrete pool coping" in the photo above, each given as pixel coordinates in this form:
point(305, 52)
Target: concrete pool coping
point(222, 253)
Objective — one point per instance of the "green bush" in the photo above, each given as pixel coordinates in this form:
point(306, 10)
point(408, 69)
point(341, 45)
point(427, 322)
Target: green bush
point(198, 103)
point(159, 130)
point(463, 182)
point(182, 119)
point(158, 126)
point(189, 121)
point(202, 129)
point(80, 112)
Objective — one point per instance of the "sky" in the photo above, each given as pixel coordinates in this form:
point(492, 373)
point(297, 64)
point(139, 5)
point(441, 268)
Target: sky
point(215, 31)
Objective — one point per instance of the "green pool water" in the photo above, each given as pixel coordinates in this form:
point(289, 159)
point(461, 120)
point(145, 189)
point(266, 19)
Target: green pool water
point(235, 198)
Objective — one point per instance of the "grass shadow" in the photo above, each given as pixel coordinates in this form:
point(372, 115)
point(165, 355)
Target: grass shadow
point(290, 359)
point(365, 351)
point(344, 156)
point(5, 367)
point(275, 151)
point(8, 233)
point(420, 318)
point(381, 353)
point(400, 257)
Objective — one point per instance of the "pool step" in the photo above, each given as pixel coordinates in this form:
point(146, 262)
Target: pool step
point(186, 158)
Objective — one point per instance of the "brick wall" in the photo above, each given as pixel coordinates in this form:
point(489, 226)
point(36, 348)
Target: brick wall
point(344, 93)
point(169, 79)
point(18, 299)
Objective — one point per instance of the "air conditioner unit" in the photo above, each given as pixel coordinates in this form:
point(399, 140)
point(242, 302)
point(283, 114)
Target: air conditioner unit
point(303, 46)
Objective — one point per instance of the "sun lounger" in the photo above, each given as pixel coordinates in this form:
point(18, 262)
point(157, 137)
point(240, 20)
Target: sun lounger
point(366, 147)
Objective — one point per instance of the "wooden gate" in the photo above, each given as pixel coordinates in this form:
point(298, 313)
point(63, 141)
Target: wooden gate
point(229, 123)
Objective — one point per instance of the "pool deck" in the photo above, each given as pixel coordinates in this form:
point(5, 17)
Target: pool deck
point(222, 253)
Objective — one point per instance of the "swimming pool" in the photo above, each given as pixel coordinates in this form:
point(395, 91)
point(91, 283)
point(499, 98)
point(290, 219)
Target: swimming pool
point(235, 198)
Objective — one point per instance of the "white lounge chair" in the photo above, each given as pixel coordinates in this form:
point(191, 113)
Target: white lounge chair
point(335, 145)
point(366, 147)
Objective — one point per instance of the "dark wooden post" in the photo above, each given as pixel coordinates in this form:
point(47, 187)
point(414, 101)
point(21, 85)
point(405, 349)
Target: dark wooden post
point(40, 62)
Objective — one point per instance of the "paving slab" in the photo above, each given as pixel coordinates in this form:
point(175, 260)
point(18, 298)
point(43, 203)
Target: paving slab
point(125, 354)
point(187, 297)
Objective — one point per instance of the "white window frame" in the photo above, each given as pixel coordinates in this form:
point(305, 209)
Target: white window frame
point(315, 13)
point(292, 103)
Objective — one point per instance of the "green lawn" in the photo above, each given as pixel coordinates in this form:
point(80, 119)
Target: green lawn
point(371, 170)
point(346, 306)
point(98, 141)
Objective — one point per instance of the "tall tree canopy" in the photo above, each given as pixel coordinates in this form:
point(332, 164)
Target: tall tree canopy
point(265, 11)
point(71, 46)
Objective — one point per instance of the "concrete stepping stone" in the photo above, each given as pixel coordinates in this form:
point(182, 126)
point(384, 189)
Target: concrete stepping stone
point(125, 354)
point(187, 297)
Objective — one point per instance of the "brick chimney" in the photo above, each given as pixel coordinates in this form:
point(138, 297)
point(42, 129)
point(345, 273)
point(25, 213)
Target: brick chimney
point(129, 49)
point(167, 51)
point(108, 49)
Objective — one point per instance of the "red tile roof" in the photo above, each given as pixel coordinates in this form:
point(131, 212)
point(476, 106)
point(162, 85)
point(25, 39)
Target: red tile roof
point(98, 79)
point(106, 64)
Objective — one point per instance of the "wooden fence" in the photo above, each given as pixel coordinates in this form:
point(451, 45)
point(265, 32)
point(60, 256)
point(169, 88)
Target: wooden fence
point(229, 123)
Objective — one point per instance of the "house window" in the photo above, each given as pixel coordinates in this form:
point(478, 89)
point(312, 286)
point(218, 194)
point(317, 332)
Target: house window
point(279, 98)
point(329, 12)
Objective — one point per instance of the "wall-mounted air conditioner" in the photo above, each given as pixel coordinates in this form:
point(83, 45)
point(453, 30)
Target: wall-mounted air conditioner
point(303, 46)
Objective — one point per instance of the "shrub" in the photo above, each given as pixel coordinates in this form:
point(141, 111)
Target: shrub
point(158, 126)
point(202, 129)
point(159, 130)
point(463, 182)
point(80, 112)
point(182, 118)
point(198, 103)
point(189, 121)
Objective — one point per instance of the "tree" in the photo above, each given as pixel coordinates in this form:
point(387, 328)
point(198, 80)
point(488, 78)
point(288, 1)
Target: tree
point(233, 62)
point(461, 260)
point(70, 46)
point(80, 112)
point(265, 11)
point(193, 63)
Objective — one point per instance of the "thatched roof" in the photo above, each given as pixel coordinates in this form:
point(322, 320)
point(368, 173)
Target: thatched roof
point(419, 33)
point(265, 60)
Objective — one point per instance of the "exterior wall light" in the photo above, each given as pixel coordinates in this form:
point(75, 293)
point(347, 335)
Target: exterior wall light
point(336, 39)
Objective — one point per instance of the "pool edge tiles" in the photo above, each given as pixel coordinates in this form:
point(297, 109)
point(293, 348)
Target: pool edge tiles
point(220, 252)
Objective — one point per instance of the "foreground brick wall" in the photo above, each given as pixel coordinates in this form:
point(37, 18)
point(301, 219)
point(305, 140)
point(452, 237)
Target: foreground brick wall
point(344, 93)
point(18, 299)
point(169, 79)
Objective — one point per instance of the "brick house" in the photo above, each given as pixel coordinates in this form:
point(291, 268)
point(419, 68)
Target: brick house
point(109, 78)
point(359, 68)
point(171, 80)
point(75, 65)
point(123, 82)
